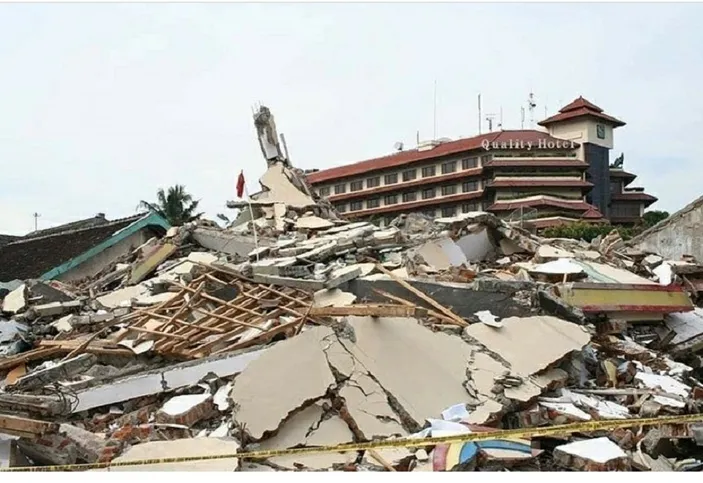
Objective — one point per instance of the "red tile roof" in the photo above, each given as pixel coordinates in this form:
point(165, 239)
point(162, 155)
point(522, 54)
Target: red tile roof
point(445, 149)
point(556, 221)
point(579, 206)
point(537, 163)
point(509, 183)
point(592, 213)
point(399, 187)
point(636, 196)
point(578, 108)
point(627, 177)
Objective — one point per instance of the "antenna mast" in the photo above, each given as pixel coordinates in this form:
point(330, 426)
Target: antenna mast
point(531, 106)
point(36, 219)
point(489, 118)
point(522, 118)
point(434, 116)
point(500, 121)
point(480, 120)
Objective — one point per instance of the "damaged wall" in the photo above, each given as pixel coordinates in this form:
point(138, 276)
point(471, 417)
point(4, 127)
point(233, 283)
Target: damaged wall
point(678, 235)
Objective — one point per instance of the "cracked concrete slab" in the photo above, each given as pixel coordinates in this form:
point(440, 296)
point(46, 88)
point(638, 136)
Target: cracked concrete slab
point(309, 427)
point(288, 375)
point(181, 447)
point(368, 407)
point(530, 344)
point(391, 348)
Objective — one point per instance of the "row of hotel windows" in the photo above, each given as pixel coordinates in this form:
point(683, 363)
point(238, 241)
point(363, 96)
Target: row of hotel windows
point(447, 211)
point(409, 197)
point(408, 175)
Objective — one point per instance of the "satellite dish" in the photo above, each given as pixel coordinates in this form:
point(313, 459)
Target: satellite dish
point(398, 146)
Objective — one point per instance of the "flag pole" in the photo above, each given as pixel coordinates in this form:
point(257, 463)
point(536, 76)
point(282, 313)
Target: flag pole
point(251, 212)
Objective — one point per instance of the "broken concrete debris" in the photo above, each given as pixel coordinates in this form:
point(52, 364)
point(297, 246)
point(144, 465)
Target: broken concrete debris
point(295, 328)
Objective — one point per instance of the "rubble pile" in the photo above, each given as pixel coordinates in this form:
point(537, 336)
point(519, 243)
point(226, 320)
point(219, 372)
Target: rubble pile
point(293, 328)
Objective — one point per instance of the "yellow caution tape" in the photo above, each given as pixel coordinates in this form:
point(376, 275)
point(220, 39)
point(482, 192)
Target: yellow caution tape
point(562, 429)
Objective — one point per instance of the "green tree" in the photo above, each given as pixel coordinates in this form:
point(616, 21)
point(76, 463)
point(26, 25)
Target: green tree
point(176, 205)
point(651, 218)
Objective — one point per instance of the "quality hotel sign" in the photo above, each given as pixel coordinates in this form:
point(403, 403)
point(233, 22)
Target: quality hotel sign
point(528, 145)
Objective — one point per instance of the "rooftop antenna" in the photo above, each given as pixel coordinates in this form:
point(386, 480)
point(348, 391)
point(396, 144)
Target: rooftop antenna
point(531, 106)
point(522, 117)
point(417, 137)
point(489, 118)
point(480, 120)
point(500, 120)
point(36, 219)
point(434, 116)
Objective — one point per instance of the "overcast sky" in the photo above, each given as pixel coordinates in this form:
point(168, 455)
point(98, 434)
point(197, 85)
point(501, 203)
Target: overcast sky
point(101, 104)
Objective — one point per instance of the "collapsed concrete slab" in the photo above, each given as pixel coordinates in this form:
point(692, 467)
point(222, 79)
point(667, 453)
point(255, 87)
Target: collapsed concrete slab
point(15, 301)
point(185, 448)
point(122, 297)
point(310, 427)
point(391, 348)
point(530, 344)
point(224, 242)
point(271, 387)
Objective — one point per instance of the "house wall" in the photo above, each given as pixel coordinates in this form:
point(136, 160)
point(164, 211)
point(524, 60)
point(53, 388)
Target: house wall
point(681, 234)
point(95, 264)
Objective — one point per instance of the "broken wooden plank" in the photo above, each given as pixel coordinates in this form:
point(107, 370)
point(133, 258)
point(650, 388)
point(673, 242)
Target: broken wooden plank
point(25, 427)
point(458, 320)
point(431, 313)
point(152, 262)
point(29, 356)
point(374, 310)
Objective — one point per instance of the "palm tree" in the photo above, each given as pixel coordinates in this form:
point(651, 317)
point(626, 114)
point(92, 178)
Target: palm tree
point(177, 206)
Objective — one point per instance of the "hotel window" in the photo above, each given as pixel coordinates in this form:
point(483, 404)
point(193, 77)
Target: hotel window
point(468, 163)
point(467, 207)
point(340, 188)
point(390, 200)
point(390, 178)
point(428, 171)
point(373, 182)
point(449, 167)
point(428, 193)
point(325, 191)
point(409, 175)
point(341, 207)
point(356, 185)
point(449, 211)
point(469, 186)
point(430, 213)
point(356, 205)
point(373, 203)
point(408, 197)
point(449, 190)
point(485, 159)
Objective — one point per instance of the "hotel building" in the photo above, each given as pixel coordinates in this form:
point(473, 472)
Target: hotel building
point(557, 175)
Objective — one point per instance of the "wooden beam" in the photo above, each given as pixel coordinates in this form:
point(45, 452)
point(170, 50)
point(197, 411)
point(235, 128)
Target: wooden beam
point(24, 427)
point(375, 310)
point(458, 320)
point(431, 313)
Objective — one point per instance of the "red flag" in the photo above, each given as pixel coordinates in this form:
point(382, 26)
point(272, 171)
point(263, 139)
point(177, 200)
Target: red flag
point(240, 184)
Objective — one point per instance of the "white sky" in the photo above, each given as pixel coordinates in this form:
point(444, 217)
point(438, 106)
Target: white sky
point(102, 104)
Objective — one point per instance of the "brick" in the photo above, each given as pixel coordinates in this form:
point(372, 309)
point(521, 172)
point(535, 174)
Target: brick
point(186, 410)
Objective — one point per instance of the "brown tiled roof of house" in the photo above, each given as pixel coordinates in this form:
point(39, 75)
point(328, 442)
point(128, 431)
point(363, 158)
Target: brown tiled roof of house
point(445, 149)
point(5, 239)
point(624, 175)
point(578, 108)
point(634, 196)
point(32, 257)
point(74, 225)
